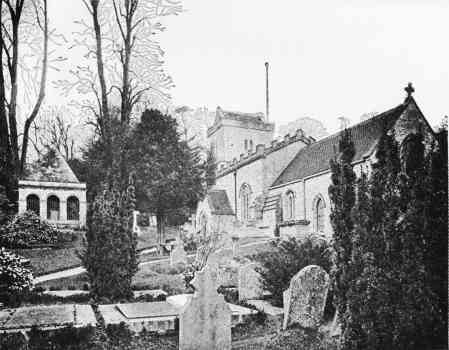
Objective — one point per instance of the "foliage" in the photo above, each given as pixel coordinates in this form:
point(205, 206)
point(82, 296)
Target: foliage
point(27, 230)
point(389, 302)
point(286, 258)
point(342, 195)
point(301, 339)
point(110, 256)
point(15, 279)
point(170, 176)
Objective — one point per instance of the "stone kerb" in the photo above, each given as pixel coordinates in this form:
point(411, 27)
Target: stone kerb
point(249, 283)
point(305, 299)
point(205, 322)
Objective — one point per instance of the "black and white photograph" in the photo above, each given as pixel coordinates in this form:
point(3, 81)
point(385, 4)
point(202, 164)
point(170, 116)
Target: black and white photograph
point(224, 174)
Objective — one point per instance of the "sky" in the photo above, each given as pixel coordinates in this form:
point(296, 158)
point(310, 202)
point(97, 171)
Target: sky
point(328, 58)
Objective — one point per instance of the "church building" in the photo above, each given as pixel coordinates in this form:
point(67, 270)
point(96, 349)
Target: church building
point(264, 183)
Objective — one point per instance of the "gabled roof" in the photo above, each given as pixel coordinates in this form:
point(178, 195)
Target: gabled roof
point(315, 158)
point(219, 202)
point(53, 169)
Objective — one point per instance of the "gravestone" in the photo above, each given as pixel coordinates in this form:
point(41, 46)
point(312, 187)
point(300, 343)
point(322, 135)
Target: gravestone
point(249, 283)
point(205, 322)
point(136, 228)
point(305, 299)
point(178, 254)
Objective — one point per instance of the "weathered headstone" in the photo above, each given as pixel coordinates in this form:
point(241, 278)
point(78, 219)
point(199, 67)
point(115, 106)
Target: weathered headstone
point(235, 246)
point(178, 254)
point(305, 299)
point(250, 285)
point(136, 228)
point(205, 322)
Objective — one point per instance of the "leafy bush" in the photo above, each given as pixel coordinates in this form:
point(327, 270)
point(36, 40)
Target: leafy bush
point(27, 230)
point(15, 279)
point(286, 258)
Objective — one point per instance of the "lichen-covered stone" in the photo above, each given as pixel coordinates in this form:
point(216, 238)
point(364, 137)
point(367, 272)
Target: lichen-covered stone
point(305, 299)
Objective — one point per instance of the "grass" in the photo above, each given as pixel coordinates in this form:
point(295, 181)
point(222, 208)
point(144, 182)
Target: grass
point(48, 260)
point(145, 278)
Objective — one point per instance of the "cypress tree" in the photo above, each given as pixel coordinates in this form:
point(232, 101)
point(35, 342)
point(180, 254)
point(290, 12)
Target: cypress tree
point(342, 195)
point(110, 256)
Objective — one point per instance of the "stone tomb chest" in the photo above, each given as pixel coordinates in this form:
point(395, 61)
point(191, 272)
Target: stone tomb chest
point(154, 317)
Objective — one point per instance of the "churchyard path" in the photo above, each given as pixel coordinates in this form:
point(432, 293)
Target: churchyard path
point(79, 270)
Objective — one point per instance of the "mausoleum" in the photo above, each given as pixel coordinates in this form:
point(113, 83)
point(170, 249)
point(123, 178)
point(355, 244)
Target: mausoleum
point(51, 190)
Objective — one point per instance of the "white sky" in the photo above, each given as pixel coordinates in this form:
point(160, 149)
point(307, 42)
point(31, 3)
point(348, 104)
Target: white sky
point(328, 58)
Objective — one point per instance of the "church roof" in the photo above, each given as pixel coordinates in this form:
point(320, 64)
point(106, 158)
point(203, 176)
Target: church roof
point(219, 202)
point(53, 168)
point(315, 158)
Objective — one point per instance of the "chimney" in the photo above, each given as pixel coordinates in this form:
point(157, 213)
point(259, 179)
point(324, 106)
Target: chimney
point(267, 99)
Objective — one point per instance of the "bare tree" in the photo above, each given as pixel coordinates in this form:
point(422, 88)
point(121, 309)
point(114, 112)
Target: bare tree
point(19, 20)
point(128, 60)
point(56, 129)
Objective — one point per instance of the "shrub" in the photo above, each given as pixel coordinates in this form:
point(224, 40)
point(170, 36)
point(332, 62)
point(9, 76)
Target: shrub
point(15, 279)
point(301, 339)
point(286, 258)
point(27, 230)
point(170, 270)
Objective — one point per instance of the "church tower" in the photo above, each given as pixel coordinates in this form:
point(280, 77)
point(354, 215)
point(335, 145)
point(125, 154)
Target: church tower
point(235, 133)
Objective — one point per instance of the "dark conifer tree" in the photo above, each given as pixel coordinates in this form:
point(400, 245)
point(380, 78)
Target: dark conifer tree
point(342, 195)
point(110, 256)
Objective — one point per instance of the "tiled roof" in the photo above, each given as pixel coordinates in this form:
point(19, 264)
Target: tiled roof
point(219, 202)
point(315, 158)
point(54, 169)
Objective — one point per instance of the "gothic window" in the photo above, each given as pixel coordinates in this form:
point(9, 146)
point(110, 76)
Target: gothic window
point(33, 204)
point(246, 145)
point(73, 208)
point(53, 208)
point(290, 206)
point(245, 200)
point(251, 145)
point(319, 214)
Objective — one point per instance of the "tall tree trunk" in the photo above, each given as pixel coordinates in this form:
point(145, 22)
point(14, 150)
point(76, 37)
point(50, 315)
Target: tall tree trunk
point(41, 94)
point(160, 218)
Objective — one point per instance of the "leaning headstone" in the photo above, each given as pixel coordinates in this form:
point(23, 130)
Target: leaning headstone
point(305, 299)
point(178, 254)
point(205, 322)
point(249, 283)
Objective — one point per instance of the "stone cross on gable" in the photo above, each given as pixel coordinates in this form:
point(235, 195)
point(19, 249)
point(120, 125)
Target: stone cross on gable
point(409, 89)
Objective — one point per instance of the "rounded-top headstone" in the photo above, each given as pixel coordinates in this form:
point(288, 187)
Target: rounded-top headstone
point(305, 299)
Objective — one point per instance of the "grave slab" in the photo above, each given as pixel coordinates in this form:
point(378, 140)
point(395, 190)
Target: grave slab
point(46, 317)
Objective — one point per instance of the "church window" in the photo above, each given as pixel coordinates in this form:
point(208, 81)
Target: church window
point(33, 204)
point(246, 145)
point(251, 145)
point(319, 214)
point(53, 208)
point(245, 199)
point(290, 206)
point(73, 208)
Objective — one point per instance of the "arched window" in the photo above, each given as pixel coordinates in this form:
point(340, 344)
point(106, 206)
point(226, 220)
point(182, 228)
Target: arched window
point(245, 200)
point(251, 145)
point(33, 204)
point(319, 214)
point(73, 208)
point(290, 206)
point(246, 145)
point(53, 208)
